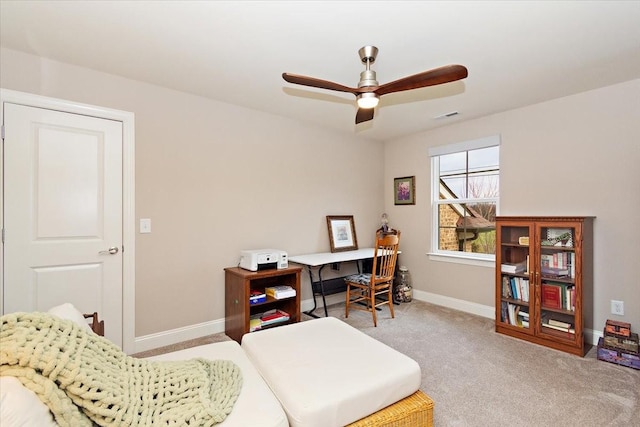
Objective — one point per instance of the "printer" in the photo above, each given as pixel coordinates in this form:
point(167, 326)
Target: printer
point(263, 259)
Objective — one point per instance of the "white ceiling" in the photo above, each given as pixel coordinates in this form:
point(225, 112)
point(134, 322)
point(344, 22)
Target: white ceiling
point(517, 53)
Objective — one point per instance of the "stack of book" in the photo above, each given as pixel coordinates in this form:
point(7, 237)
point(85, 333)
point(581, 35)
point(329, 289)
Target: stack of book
point(519, 267)
point(256, 297)
point(558, 325)
point(280, 292)
point(260, 320)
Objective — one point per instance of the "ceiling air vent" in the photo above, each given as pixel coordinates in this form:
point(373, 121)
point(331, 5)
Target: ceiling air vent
point(447, 115)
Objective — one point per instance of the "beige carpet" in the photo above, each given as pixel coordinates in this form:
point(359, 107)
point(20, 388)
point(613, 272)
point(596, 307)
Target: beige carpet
point(479, 378)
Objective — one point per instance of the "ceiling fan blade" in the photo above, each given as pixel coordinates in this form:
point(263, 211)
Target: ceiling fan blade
point(364, 115)
point(313, 82)
point(446, 74)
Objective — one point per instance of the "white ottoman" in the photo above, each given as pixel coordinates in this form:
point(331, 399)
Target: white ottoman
point(327, 373)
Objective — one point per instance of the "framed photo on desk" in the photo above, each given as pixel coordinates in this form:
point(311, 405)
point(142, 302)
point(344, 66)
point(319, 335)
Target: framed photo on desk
point(342, 233)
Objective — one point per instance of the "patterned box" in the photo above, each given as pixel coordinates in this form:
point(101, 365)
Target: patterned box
point(629, 345)
point(617, 329)
point(617, 357)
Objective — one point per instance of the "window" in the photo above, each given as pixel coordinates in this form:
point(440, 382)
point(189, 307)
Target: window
point(465, 194)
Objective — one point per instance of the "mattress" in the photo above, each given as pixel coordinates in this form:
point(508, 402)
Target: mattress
point(256, 405)
point(326, 373)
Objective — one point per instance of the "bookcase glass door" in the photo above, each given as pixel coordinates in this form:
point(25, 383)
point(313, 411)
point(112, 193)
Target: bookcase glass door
point(515, 292)
point(557, 262)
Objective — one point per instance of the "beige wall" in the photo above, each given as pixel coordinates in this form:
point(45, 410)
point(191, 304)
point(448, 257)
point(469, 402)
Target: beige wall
point(578, 155)
point(215, 179)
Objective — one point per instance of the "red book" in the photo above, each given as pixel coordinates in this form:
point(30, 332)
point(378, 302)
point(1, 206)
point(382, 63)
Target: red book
point(551, 297)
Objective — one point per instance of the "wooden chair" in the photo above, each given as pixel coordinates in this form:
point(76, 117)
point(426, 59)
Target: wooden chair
point(369, 291)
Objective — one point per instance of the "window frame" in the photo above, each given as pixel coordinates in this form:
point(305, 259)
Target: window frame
point(471, 258)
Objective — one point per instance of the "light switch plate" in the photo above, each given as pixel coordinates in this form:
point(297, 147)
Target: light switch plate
point(145, 225)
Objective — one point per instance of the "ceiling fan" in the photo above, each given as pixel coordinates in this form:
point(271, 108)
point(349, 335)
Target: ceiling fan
point(369, 91)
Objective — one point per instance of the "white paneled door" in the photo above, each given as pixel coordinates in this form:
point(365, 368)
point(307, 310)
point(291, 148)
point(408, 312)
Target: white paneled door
point(63, 213)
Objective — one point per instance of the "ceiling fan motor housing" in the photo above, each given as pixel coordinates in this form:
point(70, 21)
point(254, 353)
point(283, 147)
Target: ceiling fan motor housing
point(368, 56)
point(368, 78)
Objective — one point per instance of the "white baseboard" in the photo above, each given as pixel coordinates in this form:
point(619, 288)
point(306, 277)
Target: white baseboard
point(457, 304)
point(173, 336)
point(592, 335)
point(489, 312)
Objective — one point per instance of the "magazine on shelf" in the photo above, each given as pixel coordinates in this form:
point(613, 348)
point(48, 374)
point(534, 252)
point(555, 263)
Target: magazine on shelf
point(273, 316)
point(256, 297)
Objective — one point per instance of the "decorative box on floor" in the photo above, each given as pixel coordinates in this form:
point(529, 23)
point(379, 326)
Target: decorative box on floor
point(619, 345)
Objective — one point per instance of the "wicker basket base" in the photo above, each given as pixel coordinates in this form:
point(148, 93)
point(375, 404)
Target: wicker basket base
point(412, 411)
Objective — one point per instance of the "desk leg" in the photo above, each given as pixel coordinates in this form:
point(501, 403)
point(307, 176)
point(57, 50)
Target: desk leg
point(310, 312)
point(324, 301)
point(314, 293)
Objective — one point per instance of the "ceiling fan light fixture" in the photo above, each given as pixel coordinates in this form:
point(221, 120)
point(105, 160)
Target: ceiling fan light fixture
point(367, 100)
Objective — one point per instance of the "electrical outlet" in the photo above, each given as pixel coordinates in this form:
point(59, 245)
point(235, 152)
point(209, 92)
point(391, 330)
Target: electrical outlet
point(617, 307)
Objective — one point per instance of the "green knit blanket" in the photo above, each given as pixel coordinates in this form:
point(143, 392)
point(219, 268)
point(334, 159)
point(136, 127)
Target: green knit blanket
point(84, 378)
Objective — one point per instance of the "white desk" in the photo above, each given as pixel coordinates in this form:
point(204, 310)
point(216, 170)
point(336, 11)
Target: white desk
point(322, 259)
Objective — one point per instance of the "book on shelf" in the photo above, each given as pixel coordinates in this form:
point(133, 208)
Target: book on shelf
point(519, 267)
point(522, 318)
point(281, 291)
point(550, 296)
point(255, 324)
point(569, 329)
point(506, 287)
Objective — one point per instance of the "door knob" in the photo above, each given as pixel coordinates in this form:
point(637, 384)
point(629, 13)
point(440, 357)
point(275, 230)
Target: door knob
point(112, 251)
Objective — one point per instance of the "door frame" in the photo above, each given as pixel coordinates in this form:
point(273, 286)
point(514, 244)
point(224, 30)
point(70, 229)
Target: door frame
point(128, 193)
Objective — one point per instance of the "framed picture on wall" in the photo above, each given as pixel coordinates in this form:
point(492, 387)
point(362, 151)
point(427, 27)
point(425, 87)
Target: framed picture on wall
point(404, 190)
point(342, 233)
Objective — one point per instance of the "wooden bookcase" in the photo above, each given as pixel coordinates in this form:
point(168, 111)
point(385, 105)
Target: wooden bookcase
point(239, 283)
point(544, 280)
